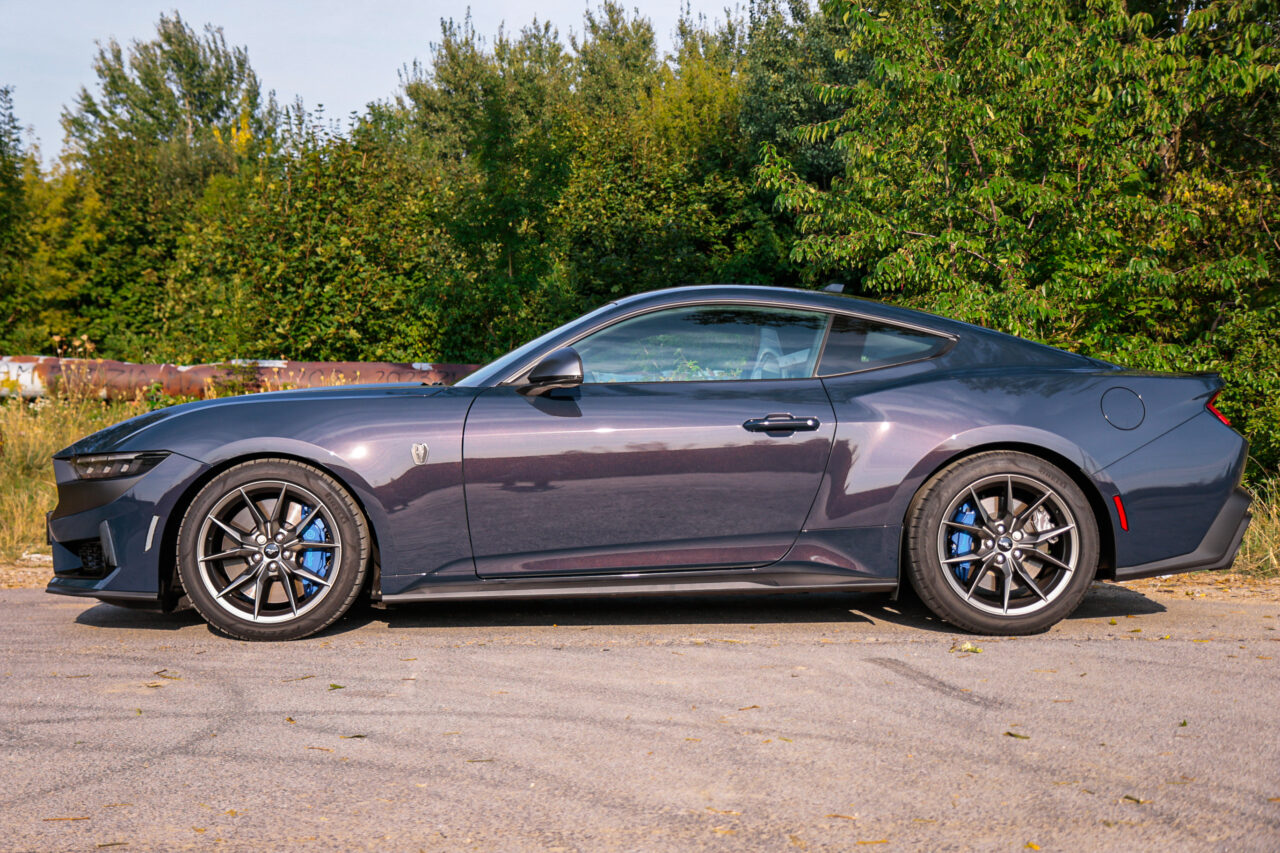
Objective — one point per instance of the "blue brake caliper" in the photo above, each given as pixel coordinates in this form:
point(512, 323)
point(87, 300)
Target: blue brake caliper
point(315, 561)
point(962, 543)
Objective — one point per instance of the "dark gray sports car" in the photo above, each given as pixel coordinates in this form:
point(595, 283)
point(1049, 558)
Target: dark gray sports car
point(700, 439)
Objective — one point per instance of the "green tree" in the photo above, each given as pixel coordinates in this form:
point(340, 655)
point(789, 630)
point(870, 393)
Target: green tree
point(167, 116)
point(1064, 171)
point(14, 296)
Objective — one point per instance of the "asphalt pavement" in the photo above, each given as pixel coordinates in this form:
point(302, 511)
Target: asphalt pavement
point(811, 722)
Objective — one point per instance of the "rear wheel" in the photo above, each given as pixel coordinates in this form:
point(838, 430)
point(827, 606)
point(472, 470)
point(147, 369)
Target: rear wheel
point(1001, 543)
point(272, 549)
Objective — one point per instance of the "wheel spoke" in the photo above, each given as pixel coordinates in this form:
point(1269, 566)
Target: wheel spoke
point(287, 583)
point(1050, 559)
point(303, 523)
point(1032, 507)
point(1029, 581)
point(248, 575)
point(977, 578)
point(275, 510)
point(234, 552)
point(300, 545)
point(306, 574)
point(1008, 497)
point(237, 535)
point(1007, 583)
point(1046, 535)
point(260, 592)
point(259, 520)
point(967, 528)
point(982, 510)
point(971, 557)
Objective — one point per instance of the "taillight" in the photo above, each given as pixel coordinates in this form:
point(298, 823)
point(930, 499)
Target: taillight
point(1209, 405)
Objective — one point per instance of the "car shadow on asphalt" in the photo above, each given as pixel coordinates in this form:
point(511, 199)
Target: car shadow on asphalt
point(1102, 601)
point(907, 611)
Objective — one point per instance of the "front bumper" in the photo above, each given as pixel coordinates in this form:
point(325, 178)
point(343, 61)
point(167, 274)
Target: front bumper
point(1217, 550)
point(109, 537)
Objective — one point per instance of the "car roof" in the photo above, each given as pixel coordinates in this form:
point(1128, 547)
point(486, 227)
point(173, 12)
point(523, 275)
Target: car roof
point(794, 296)
point(830, 301)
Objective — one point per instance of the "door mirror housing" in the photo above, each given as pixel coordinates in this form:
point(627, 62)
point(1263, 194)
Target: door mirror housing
point(560, 369)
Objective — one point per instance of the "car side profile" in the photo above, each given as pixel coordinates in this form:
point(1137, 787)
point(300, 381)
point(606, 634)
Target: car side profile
point(693, 440)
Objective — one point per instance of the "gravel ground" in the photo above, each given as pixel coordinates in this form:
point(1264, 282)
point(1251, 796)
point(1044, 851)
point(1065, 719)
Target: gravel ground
point(824, 722)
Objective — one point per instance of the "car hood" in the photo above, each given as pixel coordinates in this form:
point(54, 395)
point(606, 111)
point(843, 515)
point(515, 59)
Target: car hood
point(126, 434)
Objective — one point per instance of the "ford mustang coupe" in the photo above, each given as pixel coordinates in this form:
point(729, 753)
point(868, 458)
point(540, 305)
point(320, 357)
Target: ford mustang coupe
point(694, 440)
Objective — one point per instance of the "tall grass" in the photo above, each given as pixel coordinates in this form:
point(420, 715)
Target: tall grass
point(30, 433)
point(1259, 555)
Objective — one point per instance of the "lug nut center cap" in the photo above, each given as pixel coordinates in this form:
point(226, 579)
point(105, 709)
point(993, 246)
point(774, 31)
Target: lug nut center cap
point(1004, 543)
point(272, 550)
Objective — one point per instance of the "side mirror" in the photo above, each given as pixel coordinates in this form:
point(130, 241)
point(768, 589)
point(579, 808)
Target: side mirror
point(560, 369)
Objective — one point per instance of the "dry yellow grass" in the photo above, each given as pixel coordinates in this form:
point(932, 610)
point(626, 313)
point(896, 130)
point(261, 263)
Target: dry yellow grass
point(1259, 555)
point(31, 433)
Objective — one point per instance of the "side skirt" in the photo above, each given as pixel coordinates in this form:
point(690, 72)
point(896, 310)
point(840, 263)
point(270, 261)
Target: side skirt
point(773, 580)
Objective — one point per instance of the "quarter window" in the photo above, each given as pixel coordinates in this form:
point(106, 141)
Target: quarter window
point(858, 344)
point(701, 343)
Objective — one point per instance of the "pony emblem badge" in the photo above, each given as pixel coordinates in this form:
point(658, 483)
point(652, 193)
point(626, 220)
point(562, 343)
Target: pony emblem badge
point(420, 453)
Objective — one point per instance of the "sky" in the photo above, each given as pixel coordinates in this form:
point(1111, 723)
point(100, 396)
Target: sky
point(339, 53)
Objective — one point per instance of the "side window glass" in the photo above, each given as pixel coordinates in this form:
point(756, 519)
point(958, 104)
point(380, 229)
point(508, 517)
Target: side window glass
point(701, 343)
point(858, 344)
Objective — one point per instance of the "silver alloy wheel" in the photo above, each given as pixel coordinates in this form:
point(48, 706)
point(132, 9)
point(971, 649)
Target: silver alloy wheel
point(1008, 544)
point(268, 551)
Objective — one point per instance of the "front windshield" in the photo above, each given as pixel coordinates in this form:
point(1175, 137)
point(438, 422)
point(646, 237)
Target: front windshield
point(496, 370)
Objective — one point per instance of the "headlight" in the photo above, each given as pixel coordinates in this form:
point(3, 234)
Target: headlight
point(109, 466)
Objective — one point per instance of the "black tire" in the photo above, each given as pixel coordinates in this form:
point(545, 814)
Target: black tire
point(272, 549)
point(1028, 530)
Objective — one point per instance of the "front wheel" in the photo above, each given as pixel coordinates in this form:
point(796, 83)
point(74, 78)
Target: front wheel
point(272, 549)
point(1001, 543)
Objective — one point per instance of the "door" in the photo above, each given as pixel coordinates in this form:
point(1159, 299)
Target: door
point(698, 439)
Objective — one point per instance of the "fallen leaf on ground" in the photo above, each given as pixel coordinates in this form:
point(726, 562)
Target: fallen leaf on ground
point(336, 687)
point(966, 647)
point(1134, 799)
point(749, 708)
point(351, 737)
point(299, 678)
point(290, 720)
point(722, 811)
point(1018, 736)
point(843, 816)
point(321, 748)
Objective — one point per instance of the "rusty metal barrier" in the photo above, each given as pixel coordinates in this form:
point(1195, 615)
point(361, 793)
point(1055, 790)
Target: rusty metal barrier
point(32, 376)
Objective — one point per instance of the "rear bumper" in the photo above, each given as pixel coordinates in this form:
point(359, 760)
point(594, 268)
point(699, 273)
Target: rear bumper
point(1217, 550)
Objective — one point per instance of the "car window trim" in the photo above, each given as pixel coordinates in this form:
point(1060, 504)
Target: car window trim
point(516, 377)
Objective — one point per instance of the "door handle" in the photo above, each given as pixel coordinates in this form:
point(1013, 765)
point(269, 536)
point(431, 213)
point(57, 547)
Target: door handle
point(781, 422)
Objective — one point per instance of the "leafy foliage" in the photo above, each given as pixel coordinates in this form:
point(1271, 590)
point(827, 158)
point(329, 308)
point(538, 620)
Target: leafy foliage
point(1067, 172)
point(1097, 175)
